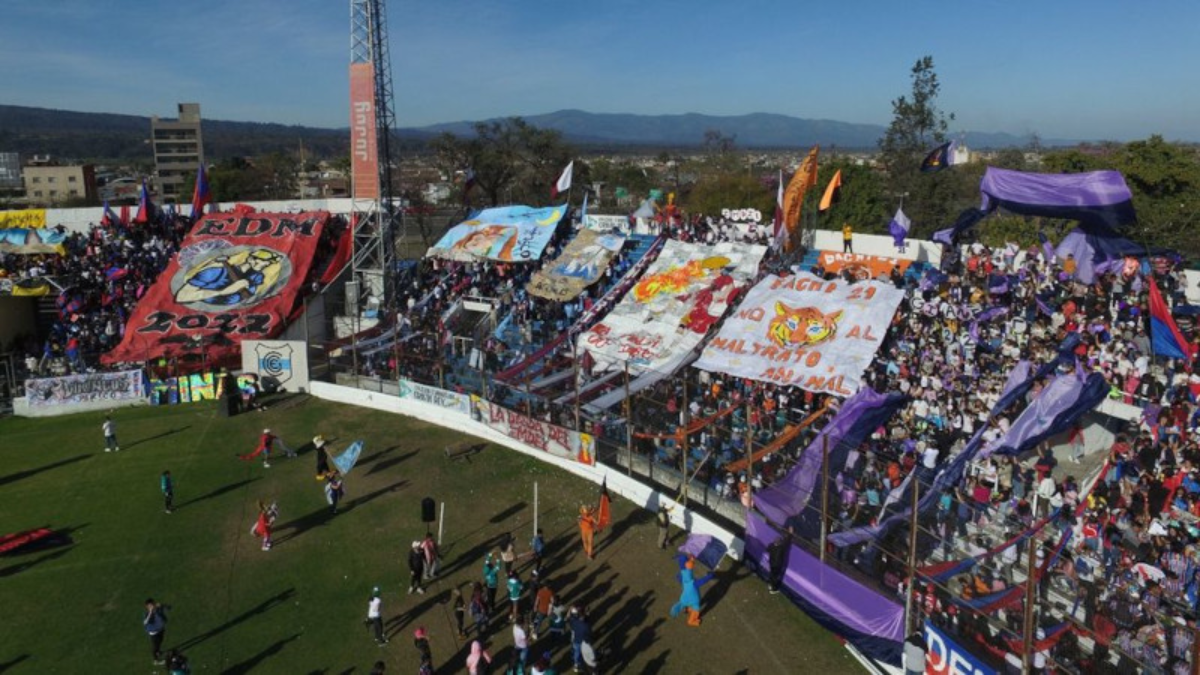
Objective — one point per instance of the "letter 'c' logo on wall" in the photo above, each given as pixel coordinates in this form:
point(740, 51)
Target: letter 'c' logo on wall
point(275, 362)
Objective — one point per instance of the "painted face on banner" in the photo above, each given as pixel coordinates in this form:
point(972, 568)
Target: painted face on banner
point(801, 326)
point(219, 279)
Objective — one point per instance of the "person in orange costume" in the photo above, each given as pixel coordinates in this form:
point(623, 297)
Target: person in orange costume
point(587, 530)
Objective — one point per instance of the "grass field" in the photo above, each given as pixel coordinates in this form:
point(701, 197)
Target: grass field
point(299, 608)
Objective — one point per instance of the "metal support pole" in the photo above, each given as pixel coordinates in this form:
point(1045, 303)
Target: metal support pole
point(575, 379)
point(824, 494)
point(535, 508)
point(683, 443)
point(1030, 591)
point(749, 444)
point(441, 523)
point(628, 425)
point(912, 558)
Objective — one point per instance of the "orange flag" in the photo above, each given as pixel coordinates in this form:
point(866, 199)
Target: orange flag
point(804, 178)
point(835, 184)
point(604, 511)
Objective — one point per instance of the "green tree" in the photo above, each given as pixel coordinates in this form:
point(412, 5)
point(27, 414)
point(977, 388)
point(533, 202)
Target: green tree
point(918, 125)
point(862, 200)
point(513, 161)
point(730, 191)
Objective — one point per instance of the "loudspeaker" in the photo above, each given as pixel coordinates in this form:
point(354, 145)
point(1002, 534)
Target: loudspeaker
point(428, 510)
point(228, 406)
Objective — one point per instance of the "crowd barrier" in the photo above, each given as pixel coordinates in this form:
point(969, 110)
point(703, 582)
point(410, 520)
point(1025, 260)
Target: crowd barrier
point(444, 408)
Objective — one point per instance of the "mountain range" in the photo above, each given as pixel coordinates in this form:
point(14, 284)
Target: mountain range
point(108, 136)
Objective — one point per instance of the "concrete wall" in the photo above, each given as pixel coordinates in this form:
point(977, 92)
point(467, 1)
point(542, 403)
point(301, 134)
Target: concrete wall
point(618, 483)
point(875, 244)
point(21, 407)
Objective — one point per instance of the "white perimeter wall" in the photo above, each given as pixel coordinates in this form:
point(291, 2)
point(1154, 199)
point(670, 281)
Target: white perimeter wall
point(618, 483)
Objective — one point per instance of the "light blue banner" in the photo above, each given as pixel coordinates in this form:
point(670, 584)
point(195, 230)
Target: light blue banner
point(503, 234)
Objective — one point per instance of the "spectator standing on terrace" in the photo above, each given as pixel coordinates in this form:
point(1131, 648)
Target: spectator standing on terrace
point(914, 655)
point(110, 435)
point(847, 238)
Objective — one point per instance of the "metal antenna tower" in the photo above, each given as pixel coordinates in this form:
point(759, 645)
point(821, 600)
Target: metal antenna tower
point(376, 213)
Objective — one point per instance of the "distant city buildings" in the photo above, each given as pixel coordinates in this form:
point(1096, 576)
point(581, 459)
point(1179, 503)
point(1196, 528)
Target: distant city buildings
point(50, 185)
point(10, 171)
point(178, 151)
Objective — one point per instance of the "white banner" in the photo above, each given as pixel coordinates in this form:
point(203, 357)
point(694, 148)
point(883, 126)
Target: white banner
point(671, 308)
point(607, 223)
point(804, 331)
point(282, 362)
point(450, 400)
point(126, 385)
point(557, 441)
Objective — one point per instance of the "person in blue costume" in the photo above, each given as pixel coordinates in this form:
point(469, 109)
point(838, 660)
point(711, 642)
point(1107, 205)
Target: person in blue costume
point(224, 284)
point(689, 595)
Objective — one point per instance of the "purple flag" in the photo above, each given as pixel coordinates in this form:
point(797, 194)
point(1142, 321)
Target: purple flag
point(899, 228)
point(860, 415)
point(1096, 197)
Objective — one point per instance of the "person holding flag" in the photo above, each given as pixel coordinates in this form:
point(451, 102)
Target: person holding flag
point(145, 212)
point(604, 509)
point(265, 442)
point(587, 530)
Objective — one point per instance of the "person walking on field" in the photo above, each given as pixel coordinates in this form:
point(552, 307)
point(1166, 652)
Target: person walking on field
point(460, 611)
point(265, 441)
point(508, 552)
point(847, 238)
point(514, 596)
point(478, 608)
point(537, 549)
point(335, 489)
point(491, 579)
point(262, 525)
point(542, 604)
point(429, 548)
point(416, 568)
point(110, 435)
point(587, 530)
point(663, 520)
point(155, 624)
point(167, 485)
point(479, 661)
point(375, 616)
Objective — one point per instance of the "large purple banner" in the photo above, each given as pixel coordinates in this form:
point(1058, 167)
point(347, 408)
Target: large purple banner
point(853, 606)
point(861, 414)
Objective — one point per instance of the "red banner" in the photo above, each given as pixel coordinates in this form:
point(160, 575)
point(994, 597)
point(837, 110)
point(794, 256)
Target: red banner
point(861, 265)
point(237, 277)
point(364, 150)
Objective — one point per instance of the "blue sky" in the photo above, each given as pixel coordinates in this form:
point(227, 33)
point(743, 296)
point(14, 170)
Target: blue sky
point(1063, 68)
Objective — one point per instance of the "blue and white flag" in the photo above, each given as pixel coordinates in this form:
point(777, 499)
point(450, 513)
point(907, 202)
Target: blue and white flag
point(346, 461)
point(899, 227)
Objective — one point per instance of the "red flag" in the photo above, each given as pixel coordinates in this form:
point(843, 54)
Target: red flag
point(201, 195)
point(603, 512)
point(341, 256)
point(145, 208)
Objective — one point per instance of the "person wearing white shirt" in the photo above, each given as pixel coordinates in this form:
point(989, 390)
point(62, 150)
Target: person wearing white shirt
point(520, 643)
point(375, 616)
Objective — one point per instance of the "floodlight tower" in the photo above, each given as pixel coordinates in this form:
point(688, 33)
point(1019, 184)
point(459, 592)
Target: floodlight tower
point(376, 214)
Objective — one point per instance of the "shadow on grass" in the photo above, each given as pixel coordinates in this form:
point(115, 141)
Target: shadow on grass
point(389, 463)
point(224, 489)
point(635, 517)
point(250, 663)
point(508, 513)
point(395, 625)
point(264, 606)
point(372, 496)
point(22, 566)
point(13, 662)
point(471, 556)
point(371, 457)
point(298, 526)
point(29, 473)
point(164, 434)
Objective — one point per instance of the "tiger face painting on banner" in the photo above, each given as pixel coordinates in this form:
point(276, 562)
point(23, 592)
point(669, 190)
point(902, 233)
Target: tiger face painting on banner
point(804, 331)
point(236, 277)
point(670, 309)
point(580, 265)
